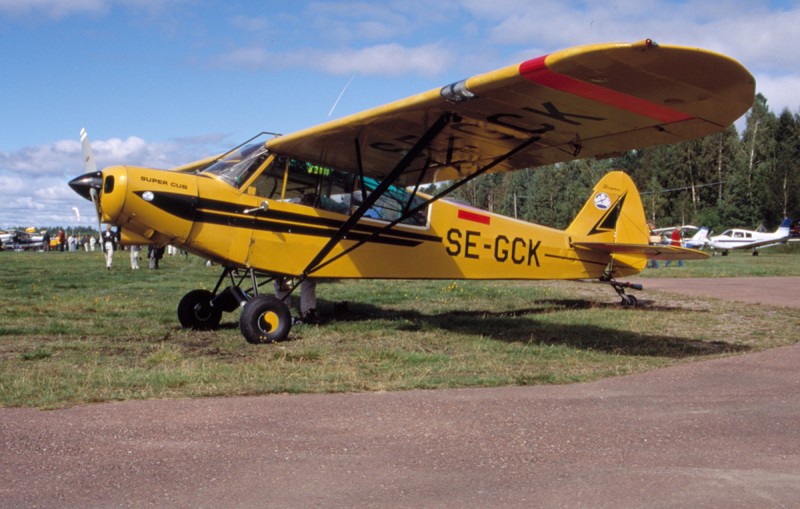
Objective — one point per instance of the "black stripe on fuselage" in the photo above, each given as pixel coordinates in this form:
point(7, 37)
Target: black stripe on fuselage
point(232, 214)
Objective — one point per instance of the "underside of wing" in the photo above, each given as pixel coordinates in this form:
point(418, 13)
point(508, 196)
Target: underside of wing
point(652, 252)
point(764, 243)
point(590, 101)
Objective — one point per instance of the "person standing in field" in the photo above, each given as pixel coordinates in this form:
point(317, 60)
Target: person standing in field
point(135, 249)
point(675, 240)
point(109, 238)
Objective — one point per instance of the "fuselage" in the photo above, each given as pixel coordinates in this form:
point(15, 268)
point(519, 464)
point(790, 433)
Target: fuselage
point(263, 224)
point(206, 216)
point(738, 238)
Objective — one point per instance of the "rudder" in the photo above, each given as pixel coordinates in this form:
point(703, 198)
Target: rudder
point(613, 213)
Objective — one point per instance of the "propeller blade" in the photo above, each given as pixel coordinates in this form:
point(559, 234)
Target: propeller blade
point(89, 184)
point(88, 157)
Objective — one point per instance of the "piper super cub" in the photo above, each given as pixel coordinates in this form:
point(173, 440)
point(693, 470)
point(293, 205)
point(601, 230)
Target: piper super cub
point(341, 200)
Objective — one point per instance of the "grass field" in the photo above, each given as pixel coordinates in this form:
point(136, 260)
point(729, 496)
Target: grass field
point(73, 333)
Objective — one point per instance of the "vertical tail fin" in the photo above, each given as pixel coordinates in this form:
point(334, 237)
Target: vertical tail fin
point(613, 213)
point(702, 234)
point(784, 227)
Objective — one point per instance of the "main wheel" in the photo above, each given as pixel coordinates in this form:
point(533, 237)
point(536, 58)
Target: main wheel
point(629, 301)
point(265, 319)
point(195, 311)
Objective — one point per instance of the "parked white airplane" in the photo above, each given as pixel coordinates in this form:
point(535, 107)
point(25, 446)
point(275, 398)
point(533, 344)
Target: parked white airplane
point(749, 239)
point(696, 241)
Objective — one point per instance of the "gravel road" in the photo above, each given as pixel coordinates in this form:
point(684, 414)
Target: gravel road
point(721, 433)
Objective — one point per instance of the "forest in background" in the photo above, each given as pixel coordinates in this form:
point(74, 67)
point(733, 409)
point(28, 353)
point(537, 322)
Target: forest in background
point(720, 181)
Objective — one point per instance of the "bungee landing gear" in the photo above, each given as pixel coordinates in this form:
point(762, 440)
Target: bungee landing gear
point(263, 319)
point(627, 300)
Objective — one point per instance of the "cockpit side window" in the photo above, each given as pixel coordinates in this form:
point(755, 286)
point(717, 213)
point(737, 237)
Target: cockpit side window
point(305, 183)
point(297, 181)
point(269, 184)
point(319, 186)
point(237, 167)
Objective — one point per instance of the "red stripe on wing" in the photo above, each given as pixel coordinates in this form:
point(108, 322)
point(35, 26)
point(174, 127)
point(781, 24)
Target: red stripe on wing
point(537, 71)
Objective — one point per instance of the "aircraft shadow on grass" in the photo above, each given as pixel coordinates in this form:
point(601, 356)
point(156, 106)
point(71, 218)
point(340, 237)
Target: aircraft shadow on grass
point(521, 326)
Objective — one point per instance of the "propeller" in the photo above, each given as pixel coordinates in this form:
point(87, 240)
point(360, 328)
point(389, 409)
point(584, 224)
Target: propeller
point(88, 158)
point(89, 184)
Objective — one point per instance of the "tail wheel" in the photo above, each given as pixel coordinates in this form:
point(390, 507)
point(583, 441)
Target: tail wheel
point(265, 319)
point(195, 311)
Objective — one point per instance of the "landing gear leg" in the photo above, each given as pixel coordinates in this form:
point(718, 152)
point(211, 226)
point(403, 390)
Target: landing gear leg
point(627, 299)
point(264, 318)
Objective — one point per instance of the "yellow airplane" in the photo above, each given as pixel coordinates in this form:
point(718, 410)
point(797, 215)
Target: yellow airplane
point(341, 200)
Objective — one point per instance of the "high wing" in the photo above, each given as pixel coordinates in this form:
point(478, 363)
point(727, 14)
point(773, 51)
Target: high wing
point(652, 252)
point(589, 101)
point(670, 229)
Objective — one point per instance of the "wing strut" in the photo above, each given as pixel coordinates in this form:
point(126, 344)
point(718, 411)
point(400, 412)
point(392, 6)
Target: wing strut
point(382, 187)
point(411, 211)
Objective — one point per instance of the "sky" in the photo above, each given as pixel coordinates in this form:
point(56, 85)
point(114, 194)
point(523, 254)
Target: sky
point(160, 83)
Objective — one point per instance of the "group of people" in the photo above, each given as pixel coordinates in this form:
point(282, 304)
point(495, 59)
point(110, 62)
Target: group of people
point(674, 240)
point(69, 243)
point(110, 242)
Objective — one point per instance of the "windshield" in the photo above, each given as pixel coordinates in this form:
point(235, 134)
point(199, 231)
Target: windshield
point(237, 167)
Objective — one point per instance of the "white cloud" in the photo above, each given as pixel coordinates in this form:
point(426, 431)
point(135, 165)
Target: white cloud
point(58, 9)
point(349, 21)
point(746, 29)
point(252, 57)
point(386, 60)
point(781, 92)
point(41, 201)
point(378, 60)
point(52, 8)
point(33, 180)
point(250, 23)
point(41, 160)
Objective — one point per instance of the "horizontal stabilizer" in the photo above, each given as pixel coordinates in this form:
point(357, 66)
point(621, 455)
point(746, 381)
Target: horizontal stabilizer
point(652, 252)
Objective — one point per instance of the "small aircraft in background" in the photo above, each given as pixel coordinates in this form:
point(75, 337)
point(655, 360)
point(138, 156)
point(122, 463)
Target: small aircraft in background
point(19, 240)
point(342, 199)
point(696, 241)
point(738, 238)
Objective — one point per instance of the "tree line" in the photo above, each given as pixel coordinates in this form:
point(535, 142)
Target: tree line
point(720, 181)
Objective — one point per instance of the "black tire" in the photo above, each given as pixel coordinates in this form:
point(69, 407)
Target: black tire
point(195, 311)
point(629, 301)
point(265, 319)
